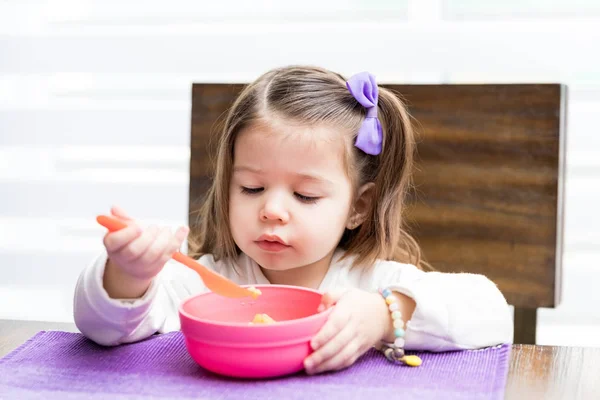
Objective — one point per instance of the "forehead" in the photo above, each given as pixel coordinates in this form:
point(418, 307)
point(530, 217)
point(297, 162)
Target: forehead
point(287, 147)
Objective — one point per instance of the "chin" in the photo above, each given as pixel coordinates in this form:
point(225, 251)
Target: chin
point(273, 262)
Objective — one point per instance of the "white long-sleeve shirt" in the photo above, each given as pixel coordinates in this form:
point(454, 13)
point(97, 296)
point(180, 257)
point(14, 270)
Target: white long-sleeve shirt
point(453, 310)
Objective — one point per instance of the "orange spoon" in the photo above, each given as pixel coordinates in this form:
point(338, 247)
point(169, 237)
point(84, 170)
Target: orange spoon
point(215, 282)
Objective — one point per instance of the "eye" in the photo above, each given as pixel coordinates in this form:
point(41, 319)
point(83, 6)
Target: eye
point(306, 199)
point(247, 190)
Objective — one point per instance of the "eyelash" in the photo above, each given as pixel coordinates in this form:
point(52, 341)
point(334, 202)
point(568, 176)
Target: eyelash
point(302, 198)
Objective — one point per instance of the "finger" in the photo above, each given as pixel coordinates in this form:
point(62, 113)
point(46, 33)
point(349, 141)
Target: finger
point(160, 247)
point(181, 234)
point(329, 299)
point(140, 245)
point(342, 359)
point(120, 213)
point(115, 241)
point(330, 349)
point(177, 239)
point(335, 323)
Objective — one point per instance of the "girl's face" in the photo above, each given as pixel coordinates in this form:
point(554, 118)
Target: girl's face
point(290, 197)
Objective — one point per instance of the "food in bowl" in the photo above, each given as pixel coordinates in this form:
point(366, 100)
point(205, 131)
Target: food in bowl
point(219, 337)
point(262, 319)
point(255, 292)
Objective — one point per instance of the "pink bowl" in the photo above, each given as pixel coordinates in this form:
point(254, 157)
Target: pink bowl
point(219, 337)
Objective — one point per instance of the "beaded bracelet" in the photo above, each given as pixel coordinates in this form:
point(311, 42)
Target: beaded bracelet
point(395, 352)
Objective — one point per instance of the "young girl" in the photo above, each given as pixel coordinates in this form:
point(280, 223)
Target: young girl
point(311, 175)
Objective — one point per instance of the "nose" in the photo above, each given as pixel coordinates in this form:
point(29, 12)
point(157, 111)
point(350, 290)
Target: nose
point(274, 210)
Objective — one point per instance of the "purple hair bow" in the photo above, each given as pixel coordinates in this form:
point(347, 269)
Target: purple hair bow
point(364, 89)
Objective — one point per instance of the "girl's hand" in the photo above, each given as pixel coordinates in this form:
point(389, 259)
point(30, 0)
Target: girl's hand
point(359, 321)
point(136, 256)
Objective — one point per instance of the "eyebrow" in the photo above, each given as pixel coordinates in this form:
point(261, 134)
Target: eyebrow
point(307, 177)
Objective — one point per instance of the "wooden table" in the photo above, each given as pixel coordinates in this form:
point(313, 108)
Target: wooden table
point(536, 372)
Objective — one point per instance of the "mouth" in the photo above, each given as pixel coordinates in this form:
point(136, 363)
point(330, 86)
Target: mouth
point(271, 243)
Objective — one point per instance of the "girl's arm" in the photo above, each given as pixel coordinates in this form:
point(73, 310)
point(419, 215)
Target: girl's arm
point(110, 322)
point(452, 311)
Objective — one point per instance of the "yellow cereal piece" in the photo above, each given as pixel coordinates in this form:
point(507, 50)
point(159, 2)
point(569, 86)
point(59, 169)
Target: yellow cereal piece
point(258, 319)
point(267, 319)
point(412, 361)
point(255, 292)
point(262, 319)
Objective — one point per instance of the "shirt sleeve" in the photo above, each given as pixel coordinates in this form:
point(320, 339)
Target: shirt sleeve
point(110, 322)
point(454, 311)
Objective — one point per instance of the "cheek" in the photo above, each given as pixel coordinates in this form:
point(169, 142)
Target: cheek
point(237, 213)
point(329, 219)
point(238, 208)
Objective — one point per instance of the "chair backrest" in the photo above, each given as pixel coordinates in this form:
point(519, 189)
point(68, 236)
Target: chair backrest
point(489, 179)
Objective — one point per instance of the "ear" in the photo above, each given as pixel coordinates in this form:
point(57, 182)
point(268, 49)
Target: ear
point(361, 206)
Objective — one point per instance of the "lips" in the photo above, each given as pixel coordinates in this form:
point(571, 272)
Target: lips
point(271, 238)
point(271, 243)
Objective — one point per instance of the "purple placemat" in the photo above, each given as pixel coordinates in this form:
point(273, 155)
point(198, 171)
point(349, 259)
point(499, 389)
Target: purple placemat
point(61, 365)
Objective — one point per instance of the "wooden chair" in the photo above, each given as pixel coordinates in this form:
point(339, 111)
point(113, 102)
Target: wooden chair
point(489, 182)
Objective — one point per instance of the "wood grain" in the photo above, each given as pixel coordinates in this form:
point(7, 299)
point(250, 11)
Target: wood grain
point(209, 105)
point(487, 183)
point(525, 325)
point(487, 196)
point(552, 372)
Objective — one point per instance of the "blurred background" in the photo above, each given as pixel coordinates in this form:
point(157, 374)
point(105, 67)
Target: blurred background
point(95, 110)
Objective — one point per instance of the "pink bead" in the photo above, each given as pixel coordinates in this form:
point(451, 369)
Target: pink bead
point(399, 342)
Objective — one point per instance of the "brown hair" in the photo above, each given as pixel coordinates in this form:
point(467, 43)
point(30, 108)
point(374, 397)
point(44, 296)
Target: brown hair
point(312, 95)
